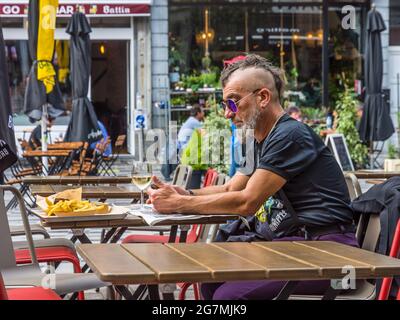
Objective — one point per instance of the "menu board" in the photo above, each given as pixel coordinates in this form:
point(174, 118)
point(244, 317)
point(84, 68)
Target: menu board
point(337, 144)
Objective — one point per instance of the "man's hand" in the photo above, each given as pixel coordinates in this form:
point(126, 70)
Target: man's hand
point(165, 197)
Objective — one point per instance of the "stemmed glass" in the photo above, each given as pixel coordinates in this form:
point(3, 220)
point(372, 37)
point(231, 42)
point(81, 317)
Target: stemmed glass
point(141, 178)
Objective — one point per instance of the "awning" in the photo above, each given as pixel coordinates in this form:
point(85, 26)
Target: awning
point(97, 8)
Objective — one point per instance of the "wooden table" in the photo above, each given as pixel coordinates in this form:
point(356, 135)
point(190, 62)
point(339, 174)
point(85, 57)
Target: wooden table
point(217, 262)
point(49, 153)
point(90, 192)
point(375, 174)
point(60, 155)
point(77, 180)
point(375, 181)
point(65, 146)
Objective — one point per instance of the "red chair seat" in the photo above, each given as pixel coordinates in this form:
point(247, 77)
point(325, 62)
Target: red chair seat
point(49, 254)
point(147, 238)
point(32, 294)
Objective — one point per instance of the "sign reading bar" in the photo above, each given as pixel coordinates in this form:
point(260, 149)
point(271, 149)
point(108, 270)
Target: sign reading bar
point(90, 9)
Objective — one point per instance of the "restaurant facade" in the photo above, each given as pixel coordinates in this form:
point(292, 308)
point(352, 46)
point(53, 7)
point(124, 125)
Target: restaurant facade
point(121, 49)
point(142, 50)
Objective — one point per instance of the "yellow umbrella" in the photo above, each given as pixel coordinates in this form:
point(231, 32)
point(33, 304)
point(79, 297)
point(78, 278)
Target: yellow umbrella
point(62, 49)
point(45, 43)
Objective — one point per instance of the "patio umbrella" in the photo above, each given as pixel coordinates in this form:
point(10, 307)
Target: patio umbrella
point(7, 140)
point(43, 96)
point(83, 125)
point(376, 123)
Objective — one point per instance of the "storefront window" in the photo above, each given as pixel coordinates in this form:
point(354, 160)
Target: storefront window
point(394, 22)
point(289, 36)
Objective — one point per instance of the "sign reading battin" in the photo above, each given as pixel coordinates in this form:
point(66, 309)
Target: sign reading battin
point(90, 9)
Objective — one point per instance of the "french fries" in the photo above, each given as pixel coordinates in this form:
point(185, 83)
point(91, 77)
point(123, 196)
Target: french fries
point(75, 206)
point(69, 203)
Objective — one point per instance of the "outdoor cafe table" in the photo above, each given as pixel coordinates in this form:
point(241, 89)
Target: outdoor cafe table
point(89, 192)
point(65, 146)
point(119, 226)
point(153, 264)
point(77, 180)
point(375, 174)
point(60, 155)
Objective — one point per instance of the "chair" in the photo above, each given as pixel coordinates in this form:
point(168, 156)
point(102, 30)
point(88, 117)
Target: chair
point(367, 234)
point(394, 252)
point(182, 176)
point(211, 178)
point(352, 185)
point(108, 162)
point(36, 293)
point(30, 274)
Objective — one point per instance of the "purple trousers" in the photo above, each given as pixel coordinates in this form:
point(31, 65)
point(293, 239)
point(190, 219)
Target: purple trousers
point(269, 289)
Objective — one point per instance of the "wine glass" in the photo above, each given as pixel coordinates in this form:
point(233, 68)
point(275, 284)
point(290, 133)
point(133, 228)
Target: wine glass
point(141, 178)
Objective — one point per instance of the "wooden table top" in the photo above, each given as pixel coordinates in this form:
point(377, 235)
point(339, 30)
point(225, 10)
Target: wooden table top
point(375, 174)
point(201, 262)
point(375, 181)
point(49, 153)
point(65, 146)
point(77, 180)
point(89, 192)
point(134, 221)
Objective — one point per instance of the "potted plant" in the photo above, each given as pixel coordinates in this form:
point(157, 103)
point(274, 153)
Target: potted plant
point(208, 147)
point(346, 108)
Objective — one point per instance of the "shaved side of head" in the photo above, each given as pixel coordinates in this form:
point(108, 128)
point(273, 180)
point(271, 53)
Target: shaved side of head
point(255, 72)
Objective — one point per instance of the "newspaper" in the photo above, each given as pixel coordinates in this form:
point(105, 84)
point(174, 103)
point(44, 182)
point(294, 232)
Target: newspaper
point(153, 218)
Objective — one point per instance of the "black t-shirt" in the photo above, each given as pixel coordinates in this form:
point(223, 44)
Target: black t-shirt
point(315, 185)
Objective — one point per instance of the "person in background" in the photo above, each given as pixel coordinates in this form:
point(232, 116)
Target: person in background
point(193, 122)
point(185, 133)
point(35, 139)
point(108, 151)
point(295, 113)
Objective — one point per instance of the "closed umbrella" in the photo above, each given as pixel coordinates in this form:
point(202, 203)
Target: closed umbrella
point(7, 140)
point(83, 125)
point(376, 123)
point(43, 96)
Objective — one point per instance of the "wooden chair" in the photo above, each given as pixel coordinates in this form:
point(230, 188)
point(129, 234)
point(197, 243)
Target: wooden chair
point(109, 161)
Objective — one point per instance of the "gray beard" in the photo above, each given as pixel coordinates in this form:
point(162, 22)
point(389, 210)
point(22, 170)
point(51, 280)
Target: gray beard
point(251, 124)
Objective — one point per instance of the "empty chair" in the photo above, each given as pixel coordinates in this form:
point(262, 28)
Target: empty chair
point(30, 274)
point(182, 176)
point(35, 293)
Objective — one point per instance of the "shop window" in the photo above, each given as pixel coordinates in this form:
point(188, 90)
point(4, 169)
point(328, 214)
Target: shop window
point(394, 23)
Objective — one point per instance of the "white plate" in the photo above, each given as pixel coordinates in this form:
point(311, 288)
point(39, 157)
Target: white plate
point(116, 213)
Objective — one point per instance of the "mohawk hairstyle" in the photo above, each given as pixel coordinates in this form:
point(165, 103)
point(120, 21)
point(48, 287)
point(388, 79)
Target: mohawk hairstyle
point(256, 61)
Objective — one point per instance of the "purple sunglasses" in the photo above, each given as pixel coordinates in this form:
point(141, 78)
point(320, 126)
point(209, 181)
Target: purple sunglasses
point(232, 105)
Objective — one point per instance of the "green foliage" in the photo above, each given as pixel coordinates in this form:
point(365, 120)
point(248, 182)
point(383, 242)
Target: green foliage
point(196, 81)
point(311, 113)
point(392, 151)
point(210, 146)
point(178, 101)
point(346, 107)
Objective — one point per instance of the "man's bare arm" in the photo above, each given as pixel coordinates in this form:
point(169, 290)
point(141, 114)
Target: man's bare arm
point(259, 187)
point(237, 183)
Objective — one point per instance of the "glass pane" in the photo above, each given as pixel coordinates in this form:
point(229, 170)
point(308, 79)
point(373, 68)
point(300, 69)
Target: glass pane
point(394, 21)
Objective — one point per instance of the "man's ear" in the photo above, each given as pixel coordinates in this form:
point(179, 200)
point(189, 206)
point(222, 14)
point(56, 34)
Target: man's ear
point(265, 96)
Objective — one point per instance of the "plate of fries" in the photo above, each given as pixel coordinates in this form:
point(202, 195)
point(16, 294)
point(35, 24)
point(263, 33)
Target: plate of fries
point(69, 205)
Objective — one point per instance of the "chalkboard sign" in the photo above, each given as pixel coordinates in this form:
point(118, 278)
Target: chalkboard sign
point(337, 144)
